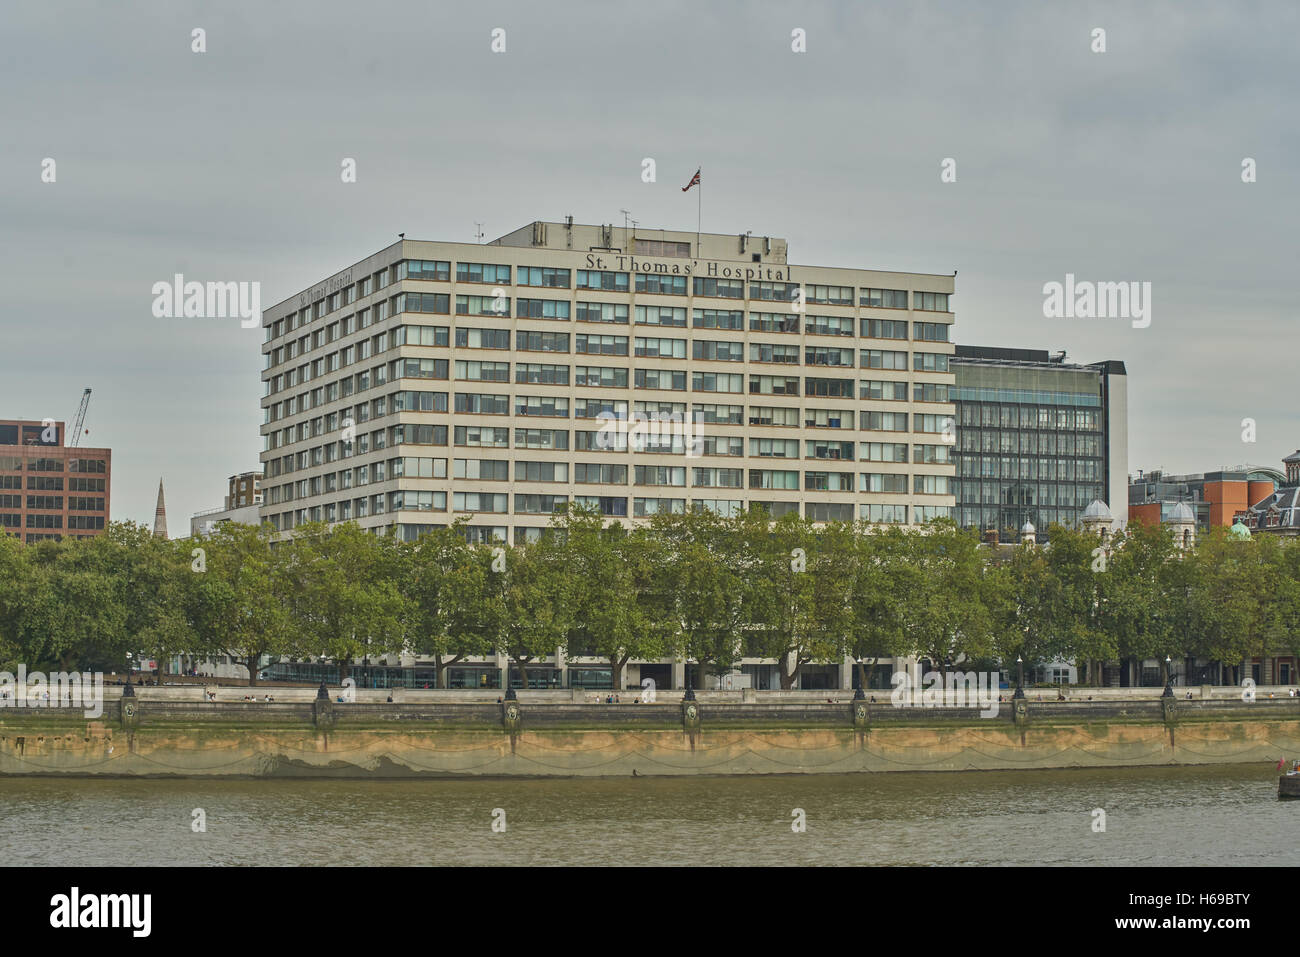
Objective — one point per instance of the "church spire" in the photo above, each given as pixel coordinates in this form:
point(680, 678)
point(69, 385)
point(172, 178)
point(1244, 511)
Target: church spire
point(160, 514)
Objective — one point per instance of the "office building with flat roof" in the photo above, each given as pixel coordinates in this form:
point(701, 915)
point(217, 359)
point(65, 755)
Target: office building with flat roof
point(629, 369)
point(49, 490)
point(1039, 439)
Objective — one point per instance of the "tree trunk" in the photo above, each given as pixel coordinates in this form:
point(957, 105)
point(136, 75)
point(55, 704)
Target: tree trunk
point(251, 664)
point(523, 673)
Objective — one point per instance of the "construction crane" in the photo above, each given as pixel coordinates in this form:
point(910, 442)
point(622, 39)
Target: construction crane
point(81, 418)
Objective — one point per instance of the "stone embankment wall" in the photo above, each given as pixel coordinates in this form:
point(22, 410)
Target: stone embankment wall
point(153, 736)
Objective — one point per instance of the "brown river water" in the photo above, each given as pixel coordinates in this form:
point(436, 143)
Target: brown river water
point(1153, 816)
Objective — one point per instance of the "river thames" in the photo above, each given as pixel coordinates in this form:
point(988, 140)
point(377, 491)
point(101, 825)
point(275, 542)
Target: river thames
point(1221, 815)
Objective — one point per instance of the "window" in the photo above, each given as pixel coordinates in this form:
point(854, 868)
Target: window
point(479, 502)
point(931, 302)
point(645, 507)
point(593, 473)
point(930, 331)
point(481, 404)
point(600, 376)
point(732, 446)
point(723, 507)
point(483, 272)
point(883, 451)
point(773, 322)
point(418, 402)
point(772, 415)
point(545, 276)
point(828, 511)
point(600, 345)
point(415, 336)
point(535, 373)
point(769, 352)
point(602, 312)
point(541, 439)
point(482, 305)
point(773, 385)
point(884, 421)
point(425, 369)
point(883, 359)
point(829, 325)
point(883, 514)
point(663, 379)
point(823, 449)
point(592, 408)
point(930, 361)
point(611, 281)
point(932, 485)
point(774, 291)
point(414, 468)
point(539, 504)
point(435, 302)
point(717, 382)
point(417, 269)
point(828, 419)
point(654, 348)
point(607, 505)
point(931, 392)
point(487, 470)
point(883, 390)
point(482, 436)
point(883, 298)
point(822, 356)
point(541, 309)
point(830, 388)
point(717, 478)
point(934, 423)
point(884, 482)
point(659, 475)
point(828, 295)
point(718, 414)
point(542, 405)
point(660, 316)
point(774, 448)
point(719, 288)
point(718, 319)
point(662, 285)
point(483, 338)
point(828, 481)
point(771, 478)
point(541, 471)
point(541, 341)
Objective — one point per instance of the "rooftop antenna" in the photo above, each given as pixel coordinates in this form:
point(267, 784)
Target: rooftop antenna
point(624, 212)
point(478, 232)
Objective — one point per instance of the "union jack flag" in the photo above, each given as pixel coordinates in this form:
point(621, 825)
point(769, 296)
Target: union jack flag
point(695, 181)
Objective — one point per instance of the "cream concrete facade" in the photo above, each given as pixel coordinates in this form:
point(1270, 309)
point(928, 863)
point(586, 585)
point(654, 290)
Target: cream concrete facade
point(346, 359)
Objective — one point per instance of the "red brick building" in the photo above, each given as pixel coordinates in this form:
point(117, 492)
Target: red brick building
point(47, 489)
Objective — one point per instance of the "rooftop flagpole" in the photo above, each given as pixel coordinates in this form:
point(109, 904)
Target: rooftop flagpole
point(699, 204)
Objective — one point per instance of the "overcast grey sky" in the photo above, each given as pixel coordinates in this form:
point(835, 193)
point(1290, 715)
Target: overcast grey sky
point(1123, 165)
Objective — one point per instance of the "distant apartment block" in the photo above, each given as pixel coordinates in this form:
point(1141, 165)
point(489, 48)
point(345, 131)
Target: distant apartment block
point(49, 490)
point(243, 500)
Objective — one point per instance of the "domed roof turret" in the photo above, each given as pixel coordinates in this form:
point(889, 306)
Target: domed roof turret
point(1027, 528)
point(1098, 511)
point(1182, 514)
point(1239, 532)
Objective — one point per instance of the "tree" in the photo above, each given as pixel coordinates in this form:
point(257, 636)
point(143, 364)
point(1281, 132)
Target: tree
point(345, 598)
point(445, 581)
point(240, 603)
point(532, 601)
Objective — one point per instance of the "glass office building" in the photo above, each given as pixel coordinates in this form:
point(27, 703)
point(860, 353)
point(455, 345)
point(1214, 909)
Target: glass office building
point(1038, 439)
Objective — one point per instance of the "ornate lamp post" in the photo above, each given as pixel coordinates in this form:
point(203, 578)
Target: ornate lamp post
point(689, 695)
point(1020, 678)
point(1169, 678)
point(859, 694)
